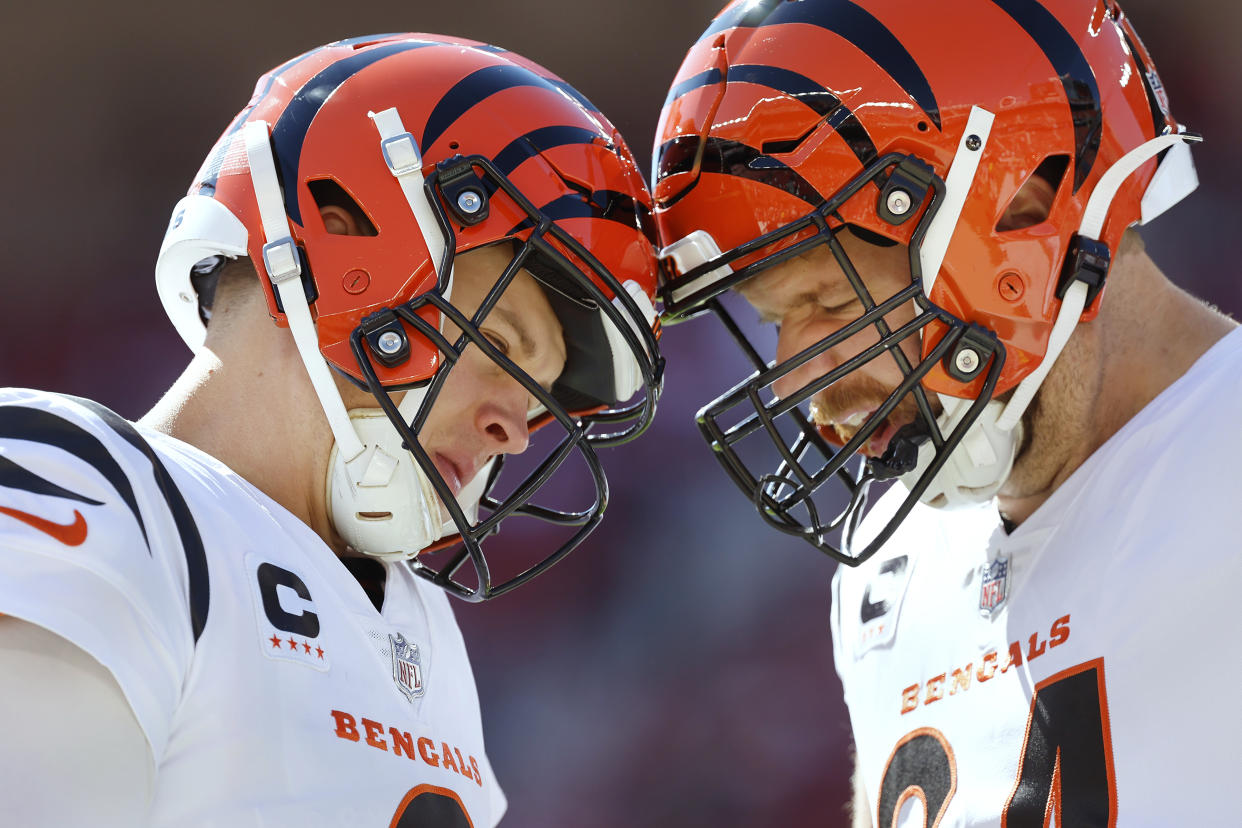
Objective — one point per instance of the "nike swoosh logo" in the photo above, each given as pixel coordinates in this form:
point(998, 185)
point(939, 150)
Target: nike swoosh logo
point(71, 534)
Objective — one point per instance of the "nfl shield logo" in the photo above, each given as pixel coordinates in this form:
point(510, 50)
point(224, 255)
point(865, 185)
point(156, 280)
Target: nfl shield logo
point(995, 586)
point(406, 671)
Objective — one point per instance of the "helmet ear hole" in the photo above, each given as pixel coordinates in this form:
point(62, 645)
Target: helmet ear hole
point(329, 193)
point(1032, 202)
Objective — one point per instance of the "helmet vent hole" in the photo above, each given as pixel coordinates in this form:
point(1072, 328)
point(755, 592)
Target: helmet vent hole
point(778, 147)
point(1032, 202)
point(787, 145)
point(922, 125)
point(454, 145)
point(329, 193)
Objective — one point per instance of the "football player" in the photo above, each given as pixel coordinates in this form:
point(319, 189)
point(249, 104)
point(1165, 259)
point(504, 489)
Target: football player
point(404, 256)
point(934, 203)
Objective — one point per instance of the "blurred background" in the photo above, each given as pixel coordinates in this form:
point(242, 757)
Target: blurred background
point(676, 670)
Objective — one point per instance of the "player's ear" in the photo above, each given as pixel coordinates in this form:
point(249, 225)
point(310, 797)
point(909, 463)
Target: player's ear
point(339, 222)
point(1030, 206)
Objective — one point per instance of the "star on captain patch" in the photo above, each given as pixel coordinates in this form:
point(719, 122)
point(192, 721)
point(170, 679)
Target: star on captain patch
point(406, 670)
point(994, 587)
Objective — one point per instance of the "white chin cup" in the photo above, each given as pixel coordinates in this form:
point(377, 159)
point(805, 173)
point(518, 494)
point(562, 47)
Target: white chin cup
point(978, 466)
point(382, 503)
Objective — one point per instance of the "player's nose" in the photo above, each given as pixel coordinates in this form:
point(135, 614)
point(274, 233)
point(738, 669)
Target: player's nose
point(501, 420)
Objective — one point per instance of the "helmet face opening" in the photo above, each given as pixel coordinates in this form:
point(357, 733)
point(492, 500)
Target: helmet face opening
point(806, 473)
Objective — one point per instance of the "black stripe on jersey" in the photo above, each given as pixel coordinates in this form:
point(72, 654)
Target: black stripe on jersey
point(191, 540)
point(13, 476)
point(1073, 71)
point(290, 130)
point(724, 157)
point(849, 21)
point(482, 84)
point(20, 423)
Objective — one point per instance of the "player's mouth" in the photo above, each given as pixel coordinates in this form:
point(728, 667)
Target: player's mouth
point(846, 423)
point(452, 472)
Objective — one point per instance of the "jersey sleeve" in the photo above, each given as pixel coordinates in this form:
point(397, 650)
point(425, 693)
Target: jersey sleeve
point(90, 549)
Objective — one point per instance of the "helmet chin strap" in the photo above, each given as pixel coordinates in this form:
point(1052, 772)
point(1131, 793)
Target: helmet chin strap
point(983, 460)
point(379, 499)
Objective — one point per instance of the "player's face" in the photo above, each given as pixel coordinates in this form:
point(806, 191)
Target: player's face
point(482, 411)
point(810, 298)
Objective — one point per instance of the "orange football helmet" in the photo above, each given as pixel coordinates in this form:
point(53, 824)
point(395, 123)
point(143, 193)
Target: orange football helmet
point(444, 145)
point(916, 124)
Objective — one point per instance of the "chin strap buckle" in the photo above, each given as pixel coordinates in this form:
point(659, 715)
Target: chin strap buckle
point(1087, 261)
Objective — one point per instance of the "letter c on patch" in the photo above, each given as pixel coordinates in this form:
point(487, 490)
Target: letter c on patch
point(304, 623)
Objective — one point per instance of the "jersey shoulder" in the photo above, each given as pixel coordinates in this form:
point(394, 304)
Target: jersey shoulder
point(75, 474)
point(98, 545)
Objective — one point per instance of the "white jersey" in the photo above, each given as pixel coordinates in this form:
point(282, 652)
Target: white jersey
point(1081, 671)
point(270, 689)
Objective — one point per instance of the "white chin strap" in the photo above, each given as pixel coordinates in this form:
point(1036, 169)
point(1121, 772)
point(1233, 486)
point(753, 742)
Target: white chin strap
point(983, 460)
point(380, 501)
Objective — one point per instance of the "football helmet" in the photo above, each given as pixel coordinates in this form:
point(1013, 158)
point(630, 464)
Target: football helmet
point(444, 146)
point(794, 125)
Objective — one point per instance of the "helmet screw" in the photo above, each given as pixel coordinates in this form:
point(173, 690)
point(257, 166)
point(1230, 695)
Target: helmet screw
point(469, 201)
point(1011, 287)
point(967, 360)
point(973, 142)
point(898, 202)
point(390, 342)
point(356, 281)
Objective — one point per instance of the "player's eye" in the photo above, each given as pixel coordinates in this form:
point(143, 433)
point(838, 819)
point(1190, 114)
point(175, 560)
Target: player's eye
point(840, 309)
point(498, 341)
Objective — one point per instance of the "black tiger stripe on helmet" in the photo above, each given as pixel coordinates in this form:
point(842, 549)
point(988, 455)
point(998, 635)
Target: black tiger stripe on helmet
point(207, 185)
point(1073, 70)
point(480, 85)
point(725, 157)
point(289, 131)
point(848, 21)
